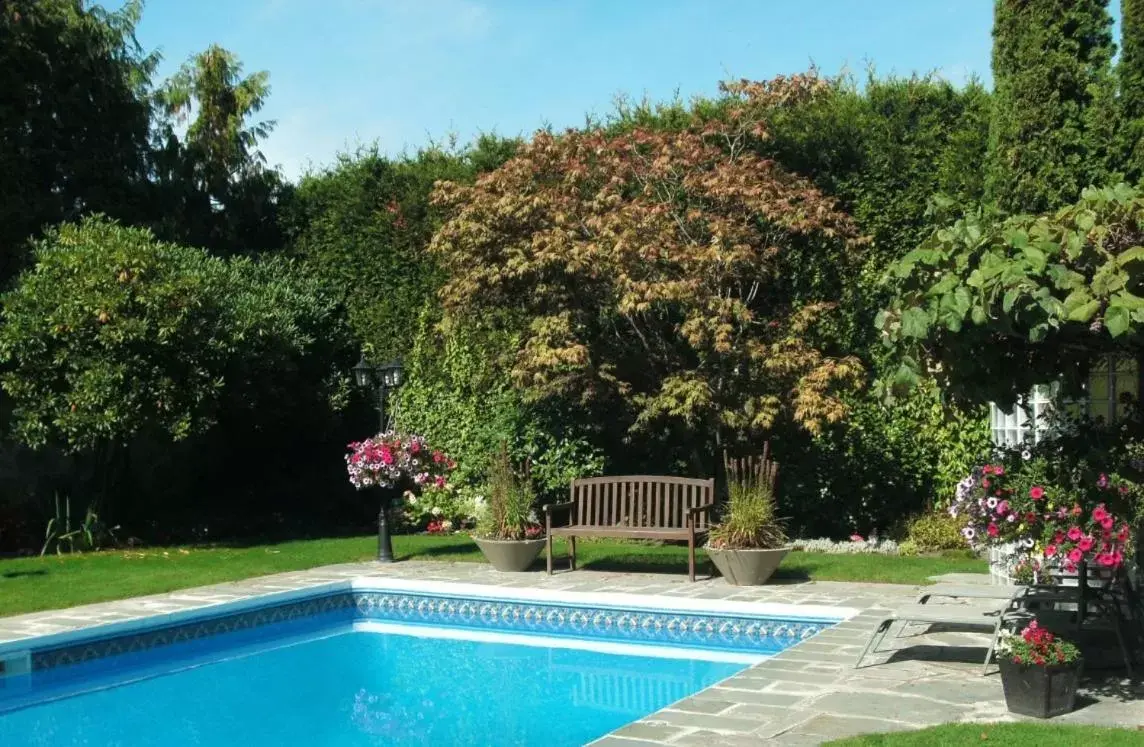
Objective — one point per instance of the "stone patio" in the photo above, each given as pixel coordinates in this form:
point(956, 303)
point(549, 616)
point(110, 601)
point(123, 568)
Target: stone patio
point(806, 695)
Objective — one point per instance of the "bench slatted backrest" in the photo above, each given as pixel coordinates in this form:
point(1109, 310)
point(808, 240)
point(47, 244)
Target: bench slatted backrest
point(640, 501)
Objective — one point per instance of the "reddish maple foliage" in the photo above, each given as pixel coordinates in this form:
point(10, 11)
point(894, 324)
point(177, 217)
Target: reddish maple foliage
point(661, 268)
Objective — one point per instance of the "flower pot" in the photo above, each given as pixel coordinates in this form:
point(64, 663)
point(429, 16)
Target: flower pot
point(1041, 692)
point(510, 555)
point(747, 567)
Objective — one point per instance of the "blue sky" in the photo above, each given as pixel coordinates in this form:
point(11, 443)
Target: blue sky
point(400, 72)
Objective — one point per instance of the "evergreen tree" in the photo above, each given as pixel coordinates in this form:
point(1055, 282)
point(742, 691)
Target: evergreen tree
point(1054, 115)
point(1131, 73)
point(216, 190)
point(74, 118)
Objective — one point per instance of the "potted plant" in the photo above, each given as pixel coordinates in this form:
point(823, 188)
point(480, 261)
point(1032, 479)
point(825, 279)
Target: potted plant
point(1039, 672)
point(748, 543)
point(508, 532)
point(392, 462)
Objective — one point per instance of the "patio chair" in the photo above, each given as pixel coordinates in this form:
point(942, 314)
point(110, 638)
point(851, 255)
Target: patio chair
point(988, 618)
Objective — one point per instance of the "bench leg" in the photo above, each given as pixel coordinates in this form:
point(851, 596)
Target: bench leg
point(572, 552)
point(691, 556)
point(549, 554)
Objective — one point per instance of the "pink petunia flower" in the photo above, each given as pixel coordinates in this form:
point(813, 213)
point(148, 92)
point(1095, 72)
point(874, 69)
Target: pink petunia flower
point(1036, 492)
point(1084, 544)
point(1075, 555)
point(1075, 533)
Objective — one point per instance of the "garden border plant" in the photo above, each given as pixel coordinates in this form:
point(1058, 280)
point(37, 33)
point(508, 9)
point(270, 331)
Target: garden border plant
point(508, 531)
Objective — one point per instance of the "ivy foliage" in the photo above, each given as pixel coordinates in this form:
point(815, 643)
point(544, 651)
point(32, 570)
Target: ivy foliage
point(460, 396)
point(112, 333)
point(1054, 116)
point(996, 307)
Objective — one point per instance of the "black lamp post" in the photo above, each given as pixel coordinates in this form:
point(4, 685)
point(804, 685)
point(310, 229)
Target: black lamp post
point(383, 379)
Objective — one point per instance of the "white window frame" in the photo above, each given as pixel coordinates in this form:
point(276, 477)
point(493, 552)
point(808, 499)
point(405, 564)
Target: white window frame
point(1030, 420)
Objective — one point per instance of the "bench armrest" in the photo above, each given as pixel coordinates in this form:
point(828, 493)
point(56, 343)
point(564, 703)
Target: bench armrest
point(551, 508)
point(693, 513)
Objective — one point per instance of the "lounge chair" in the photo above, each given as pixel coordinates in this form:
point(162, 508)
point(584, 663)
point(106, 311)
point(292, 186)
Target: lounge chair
point(986, 618)
point(972, 591)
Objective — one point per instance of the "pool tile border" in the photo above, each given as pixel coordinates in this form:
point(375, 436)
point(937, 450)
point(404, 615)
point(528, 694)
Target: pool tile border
point(640, 620)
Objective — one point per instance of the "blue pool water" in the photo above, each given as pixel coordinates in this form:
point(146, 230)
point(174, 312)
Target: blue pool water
point(338, 687)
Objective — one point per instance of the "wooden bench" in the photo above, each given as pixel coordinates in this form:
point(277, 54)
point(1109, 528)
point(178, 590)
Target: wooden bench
point(635, 507)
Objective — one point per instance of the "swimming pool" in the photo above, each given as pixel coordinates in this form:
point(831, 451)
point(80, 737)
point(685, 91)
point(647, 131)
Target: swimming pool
point(389, 664)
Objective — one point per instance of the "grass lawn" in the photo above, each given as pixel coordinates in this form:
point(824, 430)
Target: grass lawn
point(1010, 735)
point(53, 582)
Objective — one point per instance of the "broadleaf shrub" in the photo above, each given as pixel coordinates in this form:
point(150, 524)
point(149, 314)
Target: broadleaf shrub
point(112, 333)
point(934, 531)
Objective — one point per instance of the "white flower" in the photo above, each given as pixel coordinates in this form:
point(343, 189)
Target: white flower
point(992, 502)
point(447, 525)
point(1026, 455)
point(435, 511)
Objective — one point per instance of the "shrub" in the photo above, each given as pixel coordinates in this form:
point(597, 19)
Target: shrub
point(112, 333)
point(934, 531)
point(446, 509)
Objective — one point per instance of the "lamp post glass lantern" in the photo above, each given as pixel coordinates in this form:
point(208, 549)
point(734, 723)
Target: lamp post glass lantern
point(383, 379)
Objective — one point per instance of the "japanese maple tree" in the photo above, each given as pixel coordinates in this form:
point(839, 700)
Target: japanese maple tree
point(678, 274)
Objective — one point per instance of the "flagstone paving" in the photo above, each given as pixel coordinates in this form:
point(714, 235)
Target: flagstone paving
point(806, 695)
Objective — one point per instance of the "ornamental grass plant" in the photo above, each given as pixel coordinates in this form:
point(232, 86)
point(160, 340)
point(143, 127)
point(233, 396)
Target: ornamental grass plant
point(509, 512)
point(750, 520)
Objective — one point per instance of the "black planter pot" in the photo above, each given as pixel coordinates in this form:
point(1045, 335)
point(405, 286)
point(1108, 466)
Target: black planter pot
point(1041, 692)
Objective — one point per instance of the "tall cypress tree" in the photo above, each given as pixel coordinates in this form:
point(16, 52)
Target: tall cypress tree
point(1054, 110)
point(1131, 73)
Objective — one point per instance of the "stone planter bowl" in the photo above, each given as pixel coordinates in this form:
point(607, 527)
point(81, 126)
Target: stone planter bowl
point(747, 567)
point(510, 556)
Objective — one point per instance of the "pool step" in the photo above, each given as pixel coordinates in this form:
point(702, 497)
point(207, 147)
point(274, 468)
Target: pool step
point(19, 662)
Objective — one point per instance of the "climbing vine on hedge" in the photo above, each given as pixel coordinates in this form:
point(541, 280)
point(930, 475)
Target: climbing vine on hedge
point(998, 306)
